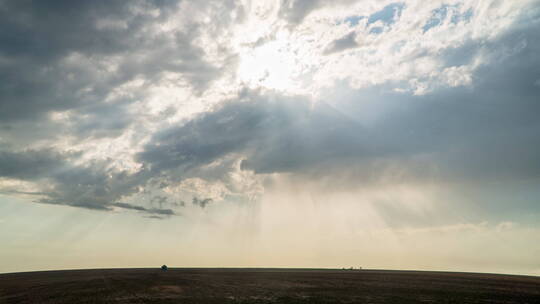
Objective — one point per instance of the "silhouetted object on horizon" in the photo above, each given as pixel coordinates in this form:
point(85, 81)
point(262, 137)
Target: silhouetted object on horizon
point(164, 268)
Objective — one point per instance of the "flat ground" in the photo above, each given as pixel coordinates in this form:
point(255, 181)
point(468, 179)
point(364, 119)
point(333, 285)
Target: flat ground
point(264, 286)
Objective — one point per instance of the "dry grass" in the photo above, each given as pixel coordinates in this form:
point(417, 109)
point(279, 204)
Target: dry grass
point(264, 286)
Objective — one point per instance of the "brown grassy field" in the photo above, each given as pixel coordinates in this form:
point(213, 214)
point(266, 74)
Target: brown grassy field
point(264, 286)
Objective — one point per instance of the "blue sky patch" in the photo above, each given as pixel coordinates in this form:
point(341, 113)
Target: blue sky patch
point(387, 14)
point(353, 20)
point(376, 30)
point(440, 14)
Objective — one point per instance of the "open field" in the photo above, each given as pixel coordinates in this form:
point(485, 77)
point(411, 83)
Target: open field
point(264, 286)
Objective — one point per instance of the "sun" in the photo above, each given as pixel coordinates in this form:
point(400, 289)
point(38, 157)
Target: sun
point(272, 65)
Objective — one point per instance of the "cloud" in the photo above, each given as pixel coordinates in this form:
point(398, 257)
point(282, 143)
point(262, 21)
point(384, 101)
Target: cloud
point(480, 133)
point(294, 11)
point(346, 42)
point(78, 76)
point(92, 62)
point(136, 106)
point(154, 217)
point(31, 164)
point(37, 71)
point(201, 202)
point(60, 181)
point(158, 211)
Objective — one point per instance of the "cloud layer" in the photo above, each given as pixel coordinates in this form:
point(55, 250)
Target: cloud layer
point(144, 105)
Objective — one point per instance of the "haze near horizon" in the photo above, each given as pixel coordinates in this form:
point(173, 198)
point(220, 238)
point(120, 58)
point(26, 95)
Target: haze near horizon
point(292, 133)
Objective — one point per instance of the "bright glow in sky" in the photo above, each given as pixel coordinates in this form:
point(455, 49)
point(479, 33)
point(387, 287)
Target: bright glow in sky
point(294, 133)
point(271, 65)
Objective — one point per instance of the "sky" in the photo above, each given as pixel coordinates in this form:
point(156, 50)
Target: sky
point(292, 133)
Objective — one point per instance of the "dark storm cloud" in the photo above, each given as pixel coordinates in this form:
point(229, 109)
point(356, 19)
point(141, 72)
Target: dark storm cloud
point(45, 31)
point(73, 56)
point(211, 135)
point(91, 186)
point(102, 120)
point(277, 134)
point(30, 164)
point(35, 36)
point(56, 56)
point(487, 132)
